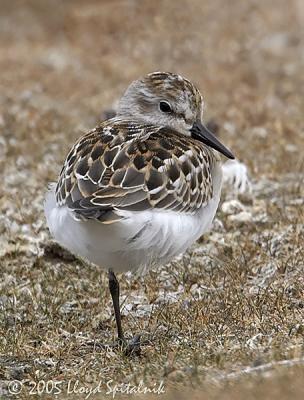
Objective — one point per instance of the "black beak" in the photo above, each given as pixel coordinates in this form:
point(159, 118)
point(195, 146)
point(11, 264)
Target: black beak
point(201, 133)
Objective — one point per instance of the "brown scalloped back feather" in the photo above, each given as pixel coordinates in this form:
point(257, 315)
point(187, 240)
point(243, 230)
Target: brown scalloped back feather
point(122, 165)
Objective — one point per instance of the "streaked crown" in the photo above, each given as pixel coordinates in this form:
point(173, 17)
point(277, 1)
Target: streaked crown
point(163, 99)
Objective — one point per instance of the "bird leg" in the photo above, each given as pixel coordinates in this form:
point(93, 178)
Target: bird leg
point(114, 290)
point(134, 345)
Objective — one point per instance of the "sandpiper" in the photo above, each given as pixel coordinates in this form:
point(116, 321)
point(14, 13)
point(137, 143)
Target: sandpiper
point(141, 187)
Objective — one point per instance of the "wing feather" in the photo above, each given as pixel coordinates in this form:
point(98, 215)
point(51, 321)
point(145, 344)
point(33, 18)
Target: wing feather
point(122, 165)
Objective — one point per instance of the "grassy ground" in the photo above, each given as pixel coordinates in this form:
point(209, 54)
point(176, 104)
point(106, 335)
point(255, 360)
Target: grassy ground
point(226, 319)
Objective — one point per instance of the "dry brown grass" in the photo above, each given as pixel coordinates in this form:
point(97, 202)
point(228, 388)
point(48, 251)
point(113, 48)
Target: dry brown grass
point(236, 299)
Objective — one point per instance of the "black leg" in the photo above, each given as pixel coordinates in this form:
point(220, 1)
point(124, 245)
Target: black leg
point(132, 347)
point(114, 290)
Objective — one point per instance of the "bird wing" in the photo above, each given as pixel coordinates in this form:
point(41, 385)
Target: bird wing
point(123, 165)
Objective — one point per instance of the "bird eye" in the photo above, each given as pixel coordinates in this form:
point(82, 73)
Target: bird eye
point(165, 107)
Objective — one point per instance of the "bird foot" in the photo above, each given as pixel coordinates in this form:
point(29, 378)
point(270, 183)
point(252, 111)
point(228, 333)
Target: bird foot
point(128, 347)
point(132, 347)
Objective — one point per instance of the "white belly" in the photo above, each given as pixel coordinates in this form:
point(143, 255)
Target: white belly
point(139, 240)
